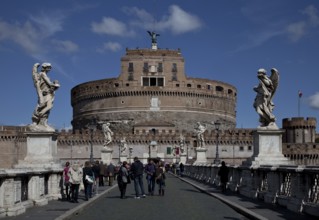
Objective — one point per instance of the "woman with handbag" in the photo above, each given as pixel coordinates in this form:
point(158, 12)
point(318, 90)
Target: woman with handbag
point(88, 179)
point(123, 179)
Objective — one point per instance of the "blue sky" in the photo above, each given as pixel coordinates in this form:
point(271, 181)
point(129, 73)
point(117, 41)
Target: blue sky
point(221, 40)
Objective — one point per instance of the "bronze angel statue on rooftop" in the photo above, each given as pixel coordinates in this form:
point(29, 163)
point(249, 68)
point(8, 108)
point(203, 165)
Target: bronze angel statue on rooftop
point(263, 102)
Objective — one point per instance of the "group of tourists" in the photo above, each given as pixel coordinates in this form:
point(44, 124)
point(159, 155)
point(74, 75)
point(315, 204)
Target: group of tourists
point(90, 177)
point(154, 172)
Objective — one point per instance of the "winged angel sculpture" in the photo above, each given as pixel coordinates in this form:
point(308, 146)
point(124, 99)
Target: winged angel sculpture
point(263, 102)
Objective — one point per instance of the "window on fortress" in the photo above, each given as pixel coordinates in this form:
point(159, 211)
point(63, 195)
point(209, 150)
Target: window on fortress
point(160, 81)
point(241, 148)
point(219, 89)
point(174, 67)
point(146, 81)
point(160, 67)
point(153, 81)
point(209, 87)
point(230, 91)
point(130, 67)
point(174, 77)
point(249, 148)
point(130, 77)
point(189, 85)
point(145, 68)
point(199, 86)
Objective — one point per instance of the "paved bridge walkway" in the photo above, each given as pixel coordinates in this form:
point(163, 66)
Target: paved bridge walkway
point(184, 199)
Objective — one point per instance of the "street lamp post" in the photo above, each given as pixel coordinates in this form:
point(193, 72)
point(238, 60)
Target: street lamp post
point(130, 153)
point(92, 127)
point(217, 125)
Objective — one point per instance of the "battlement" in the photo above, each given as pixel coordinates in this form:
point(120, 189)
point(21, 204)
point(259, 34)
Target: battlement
point(299, 122)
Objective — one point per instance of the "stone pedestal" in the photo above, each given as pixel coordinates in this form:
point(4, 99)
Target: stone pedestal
point(201, 156)
point(183, 158)
point(106, 155)
point(267, 149)
point(41, 151)
point(154, 46)
point(123, 158)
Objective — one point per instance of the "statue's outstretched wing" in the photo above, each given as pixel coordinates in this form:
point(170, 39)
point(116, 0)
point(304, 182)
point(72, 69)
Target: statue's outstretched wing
point(150, 33)
point(274, 77)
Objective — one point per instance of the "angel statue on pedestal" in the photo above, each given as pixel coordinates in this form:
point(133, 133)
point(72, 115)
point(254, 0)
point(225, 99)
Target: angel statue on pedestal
point(46, 93)
point(263, 101)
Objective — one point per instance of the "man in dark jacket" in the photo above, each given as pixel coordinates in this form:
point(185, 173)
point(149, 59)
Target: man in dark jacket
point(110, 170)
point(137, 170)
point(223, 173)
point(150, 176)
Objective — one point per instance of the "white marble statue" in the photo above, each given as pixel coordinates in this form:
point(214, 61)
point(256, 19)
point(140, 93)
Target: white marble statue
point(107, 134)
point(263, 102)
point(200, 130)
point(45, 91)
point(123, 145)
point(182, 143)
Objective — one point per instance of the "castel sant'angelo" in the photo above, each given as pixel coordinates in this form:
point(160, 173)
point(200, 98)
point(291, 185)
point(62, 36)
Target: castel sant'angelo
point(155, 107)
point(153, 91)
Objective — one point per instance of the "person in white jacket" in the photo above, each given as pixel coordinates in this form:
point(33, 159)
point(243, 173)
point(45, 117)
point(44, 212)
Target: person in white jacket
point(75, 174)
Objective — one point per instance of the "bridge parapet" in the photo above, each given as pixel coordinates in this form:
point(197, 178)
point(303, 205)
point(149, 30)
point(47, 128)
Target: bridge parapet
point(24, 188)
point(295, 187)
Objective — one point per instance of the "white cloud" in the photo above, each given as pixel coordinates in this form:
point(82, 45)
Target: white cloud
point(111, 26)
point(177, 21)
point(314, 101)
point(112, 46)
point(25, 35)
point(296, 30)
point(32, 35)
point(48, 24)
point(312, 13)
point(299, 29)
point(65, 46)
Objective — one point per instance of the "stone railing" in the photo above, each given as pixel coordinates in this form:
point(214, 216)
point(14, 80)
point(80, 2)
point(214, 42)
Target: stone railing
point(296, 188)
point(24, 188)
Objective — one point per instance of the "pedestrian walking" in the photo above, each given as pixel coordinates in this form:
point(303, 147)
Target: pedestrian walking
point(160, 178)
point(101, 174)
point(75, 174)
point(181, 167)
point(96, 170)
point(88, 179)
point(150, 176)
point(110, 172)
point(137, 169)
point(66, 183)
point(223, 173)
point(123, 179)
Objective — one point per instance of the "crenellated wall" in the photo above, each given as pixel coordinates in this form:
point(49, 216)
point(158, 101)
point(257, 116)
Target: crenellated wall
point(299, 130)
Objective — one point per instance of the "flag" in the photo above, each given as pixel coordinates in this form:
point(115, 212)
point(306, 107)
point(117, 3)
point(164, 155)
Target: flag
point(299, 94)
point(177, 150)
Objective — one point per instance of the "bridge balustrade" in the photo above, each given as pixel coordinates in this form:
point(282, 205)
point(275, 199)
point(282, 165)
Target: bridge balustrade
point(24, 188)
point(293, 187)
